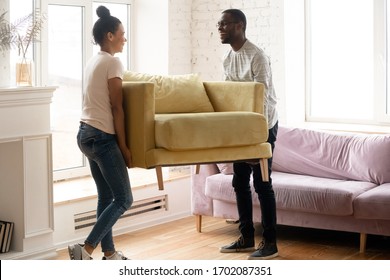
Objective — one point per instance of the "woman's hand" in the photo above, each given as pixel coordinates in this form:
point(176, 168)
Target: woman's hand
point(127, 157)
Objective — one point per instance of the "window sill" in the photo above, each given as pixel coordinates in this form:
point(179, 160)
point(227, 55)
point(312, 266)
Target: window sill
point(84, 188)
point(353, 128)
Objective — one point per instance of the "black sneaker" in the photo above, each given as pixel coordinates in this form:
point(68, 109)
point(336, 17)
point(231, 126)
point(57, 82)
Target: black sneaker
point(240, 245)
point(265, 251)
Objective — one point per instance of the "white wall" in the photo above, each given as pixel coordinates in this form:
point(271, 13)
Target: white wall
point(150, 36)
point(295, 62)
point(179, 37)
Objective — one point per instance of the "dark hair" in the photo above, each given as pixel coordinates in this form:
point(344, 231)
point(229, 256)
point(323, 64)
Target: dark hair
point(106, 23)
point(238, 15)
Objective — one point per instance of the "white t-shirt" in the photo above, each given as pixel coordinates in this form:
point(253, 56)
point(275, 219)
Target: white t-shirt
point(249, 64)
point(96, 99)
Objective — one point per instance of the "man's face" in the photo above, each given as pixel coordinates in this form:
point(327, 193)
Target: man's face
point(228, 28)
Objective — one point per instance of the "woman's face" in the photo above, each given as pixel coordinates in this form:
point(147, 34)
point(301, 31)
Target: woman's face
point(118, 39)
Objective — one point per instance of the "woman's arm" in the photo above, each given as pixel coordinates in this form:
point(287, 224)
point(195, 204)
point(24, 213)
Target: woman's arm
point(116, 98)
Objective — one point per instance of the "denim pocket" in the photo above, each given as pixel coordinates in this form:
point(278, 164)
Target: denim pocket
point(92, 141)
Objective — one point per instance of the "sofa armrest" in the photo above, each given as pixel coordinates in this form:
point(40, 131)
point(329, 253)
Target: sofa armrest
point(139, 108)
point(236, 96)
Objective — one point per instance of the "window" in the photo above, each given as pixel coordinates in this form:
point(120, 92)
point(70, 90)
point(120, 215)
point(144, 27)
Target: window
point(15, 10)
point(69, 47)
point(340, 53)
point(65, 67)
point(387, 100)
point(344, 68)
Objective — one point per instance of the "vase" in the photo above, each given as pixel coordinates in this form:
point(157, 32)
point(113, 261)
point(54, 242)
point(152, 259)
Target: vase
point(24, 72)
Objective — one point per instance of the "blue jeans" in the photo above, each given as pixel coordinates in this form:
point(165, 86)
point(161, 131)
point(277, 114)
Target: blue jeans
point(265, 193)
point(110, 174)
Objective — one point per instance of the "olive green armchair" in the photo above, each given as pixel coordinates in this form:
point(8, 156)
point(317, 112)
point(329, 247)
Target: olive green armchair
point(180, 120)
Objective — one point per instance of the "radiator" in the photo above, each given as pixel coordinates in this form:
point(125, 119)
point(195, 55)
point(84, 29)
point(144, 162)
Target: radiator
point(138, 208)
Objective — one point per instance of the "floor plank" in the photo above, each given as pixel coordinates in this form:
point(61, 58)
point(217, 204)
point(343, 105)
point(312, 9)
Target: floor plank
point(179, 240)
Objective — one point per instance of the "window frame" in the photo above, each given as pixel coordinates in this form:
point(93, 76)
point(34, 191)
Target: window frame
point(297, 47)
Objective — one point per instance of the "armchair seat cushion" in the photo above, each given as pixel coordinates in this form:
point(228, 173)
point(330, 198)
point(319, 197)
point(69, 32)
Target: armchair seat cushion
point(193, 131)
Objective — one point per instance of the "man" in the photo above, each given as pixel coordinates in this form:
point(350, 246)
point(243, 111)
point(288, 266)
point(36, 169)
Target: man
point(246, 62)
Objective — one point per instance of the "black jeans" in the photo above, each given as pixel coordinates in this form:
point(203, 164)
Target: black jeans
point(265, 193)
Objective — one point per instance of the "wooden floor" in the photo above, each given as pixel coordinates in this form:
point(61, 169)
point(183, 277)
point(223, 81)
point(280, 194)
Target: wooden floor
point(179, 241)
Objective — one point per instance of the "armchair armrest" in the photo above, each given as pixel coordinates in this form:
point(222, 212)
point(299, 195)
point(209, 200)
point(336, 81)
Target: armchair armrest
point(236, 96)
point(139, 108)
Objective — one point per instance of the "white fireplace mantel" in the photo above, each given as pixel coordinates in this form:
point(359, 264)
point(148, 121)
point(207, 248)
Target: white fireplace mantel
point(25, 111)
point(26, 184)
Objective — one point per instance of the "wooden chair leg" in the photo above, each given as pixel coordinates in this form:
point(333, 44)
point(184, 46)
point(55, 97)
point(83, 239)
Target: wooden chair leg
point(197, 168)
point(198, 220)
point(363, 242)
point(264, 169)
point(160, 180)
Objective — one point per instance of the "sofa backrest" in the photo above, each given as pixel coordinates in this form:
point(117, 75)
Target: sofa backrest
point(361, 157)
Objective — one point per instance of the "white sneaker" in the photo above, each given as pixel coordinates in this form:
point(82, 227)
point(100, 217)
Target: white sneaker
point(118, 255)
point(78, 252)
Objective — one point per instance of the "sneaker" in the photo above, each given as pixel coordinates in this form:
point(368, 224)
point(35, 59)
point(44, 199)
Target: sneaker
point(240, 245)
point(77, 252)
point(116, 256)
point(265, 251)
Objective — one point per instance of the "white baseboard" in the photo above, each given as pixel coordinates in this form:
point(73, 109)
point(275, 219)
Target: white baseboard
point(45, 254)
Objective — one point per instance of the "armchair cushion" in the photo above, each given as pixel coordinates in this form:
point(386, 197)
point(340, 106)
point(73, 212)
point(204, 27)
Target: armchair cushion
point(192, 131)
point(175, 93)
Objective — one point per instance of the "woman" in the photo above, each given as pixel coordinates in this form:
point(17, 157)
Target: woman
point(101, 137)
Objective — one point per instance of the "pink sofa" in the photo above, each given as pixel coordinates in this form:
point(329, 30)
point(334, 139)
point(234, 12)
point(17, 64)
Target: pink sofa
point(321, 179)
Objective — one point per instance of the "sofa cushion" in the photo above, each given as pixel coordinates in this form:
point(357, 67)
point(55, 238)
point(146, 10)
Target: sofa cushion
point(225, 168)
point(374, 204)
point(176, 93)
point(298, 193)
point(317, 195)
point(219, 187)
point(192, 131)
point(333, 155)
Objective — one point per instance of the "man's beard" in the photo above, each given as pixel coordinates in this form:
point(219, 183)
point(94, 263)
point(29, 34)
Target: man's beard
point(225, 40)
